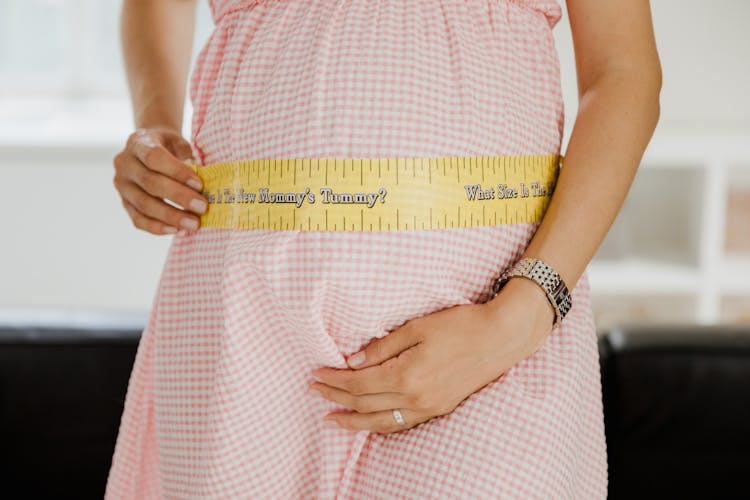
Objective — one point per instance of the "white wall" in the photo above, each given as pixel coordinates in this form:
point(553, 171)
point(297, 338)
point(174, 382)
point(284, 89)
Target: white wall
point(705, 55)
point(67, 241)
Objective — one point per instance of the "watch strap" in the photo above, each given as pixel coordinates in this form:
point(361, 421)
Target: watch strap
point(545, 276)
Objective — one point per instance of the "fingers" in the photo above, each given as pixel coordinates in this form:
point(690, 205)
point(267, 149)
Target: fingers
point(145, 223)
point(383, 348)
point(366, 403)
point(152, 152)
point(373, 411)
point(148, 174)
point(179, 147)
point(393, 375)
point(381, 422)
point(154, 208)
point(161, 186)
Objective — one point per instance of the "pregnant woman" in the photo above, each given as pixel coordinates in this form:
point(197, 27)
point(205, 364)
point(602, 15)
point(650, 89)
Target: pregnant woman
point(298, 362)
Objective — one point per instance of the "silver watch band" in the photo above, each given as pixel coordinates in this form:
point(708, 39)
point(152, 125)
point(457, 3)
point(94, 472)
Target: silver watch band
point(545, 276)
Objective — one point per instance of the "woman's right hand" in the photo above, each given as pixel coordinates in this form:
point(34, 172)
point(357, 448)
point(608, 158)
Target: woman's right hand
point(150, 168)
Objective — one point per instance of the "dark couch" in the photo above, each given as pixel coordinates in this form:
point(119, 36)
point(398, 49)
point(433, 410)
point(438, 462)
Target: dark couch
point(677, 411)
point(676, 399)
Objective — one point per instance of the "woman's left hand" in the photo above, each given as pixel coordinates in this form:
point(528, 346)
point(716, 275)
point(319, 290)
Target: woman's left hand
point(430, 364)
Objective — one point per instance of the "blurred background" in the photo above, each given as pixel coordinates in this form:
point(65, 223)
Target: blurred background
point(679, 252)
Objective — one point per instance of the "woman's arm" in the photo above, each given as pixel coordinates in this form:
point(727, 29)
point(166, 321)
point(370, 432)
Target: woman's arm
point(430, 364)
point(619, 82)
point(157, 37)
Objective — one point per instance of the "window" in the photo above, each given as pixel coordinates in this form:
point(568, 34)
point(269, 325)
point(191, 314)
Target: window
point(61, 68)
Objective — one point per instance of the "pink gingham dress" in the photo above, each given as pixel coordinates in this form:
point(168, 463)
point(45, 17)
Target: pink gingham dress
point(217, 404)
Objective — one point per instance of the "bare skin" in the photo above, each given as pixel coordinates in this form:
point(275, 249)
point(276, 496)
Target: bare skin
point(428, 365)
point(157, 37)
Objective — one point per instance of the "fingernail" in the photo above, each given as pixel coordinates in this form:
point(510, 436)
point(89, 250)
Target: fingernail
point(170, 229)
point(312, 390)
point(189, 223)
point(194, 183)
point(198, 205)
point(357, 359)
point(330, 423)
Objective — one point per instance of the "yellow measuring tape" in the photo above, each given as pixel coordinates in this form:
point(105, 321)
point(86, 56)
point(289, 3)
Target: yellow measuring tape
point(377, 194)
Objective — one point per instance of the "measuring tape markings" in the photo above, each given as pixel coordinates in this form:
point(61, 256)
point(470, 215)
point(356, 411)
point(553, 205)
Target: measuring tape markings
point(325, 193)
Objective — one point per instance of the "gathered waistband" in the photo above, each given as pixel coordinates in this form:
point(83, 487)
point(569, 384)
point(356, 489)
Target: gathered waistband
point(549, 8)
point(227, 8)
point(377, 194)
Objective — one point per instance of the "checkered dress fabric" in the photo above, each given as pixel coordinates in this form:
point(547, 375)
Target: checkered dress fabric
point(217, 406)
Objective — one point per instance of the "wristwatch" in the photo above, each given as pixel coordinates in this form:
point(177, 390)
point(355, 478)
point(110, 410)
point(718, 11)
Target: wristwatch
point(545, 276)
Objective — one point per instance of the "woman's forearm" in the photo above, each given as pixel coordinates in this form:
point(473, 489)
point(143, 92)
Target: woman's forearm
point(616, 118)
point(157, 37)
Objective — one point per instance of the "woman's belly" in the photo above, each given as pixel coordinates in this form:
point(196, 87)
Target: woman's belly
point(290, 78)
point(242, 317)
